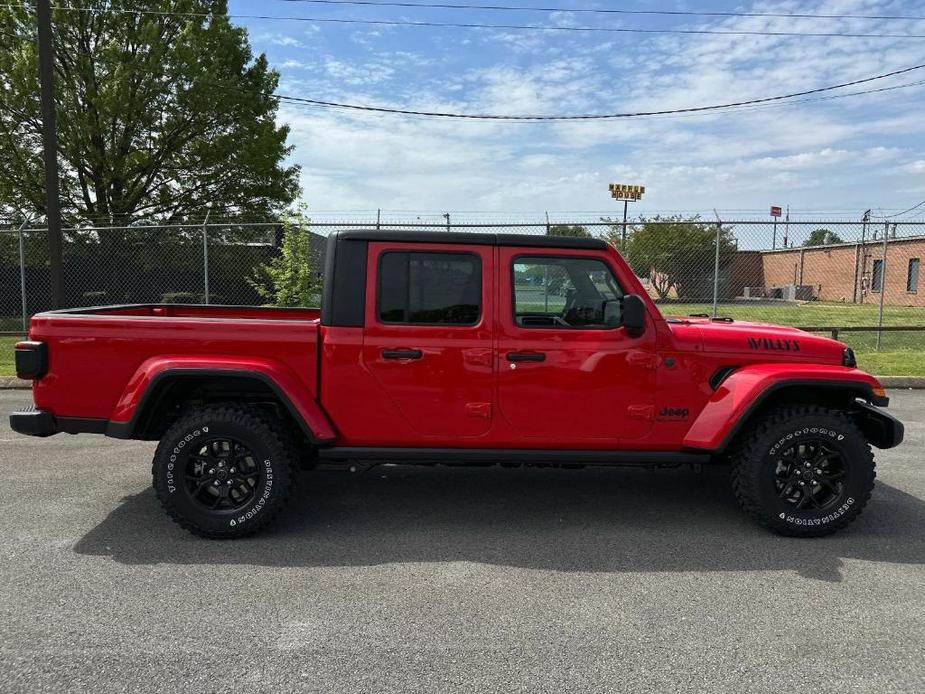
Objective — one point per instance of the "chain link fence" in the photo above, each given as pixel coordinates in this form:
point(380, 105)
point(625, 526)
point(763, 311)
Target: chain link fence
point(832, 276)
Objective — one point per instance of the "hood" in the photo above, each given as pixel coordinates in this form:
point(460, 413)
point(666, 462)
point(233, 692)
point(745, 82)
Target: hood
point(765, 341)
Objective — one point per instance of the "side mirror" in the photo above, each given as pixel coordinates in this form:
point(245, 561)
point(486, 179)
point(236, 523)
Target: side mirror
point(634, 315)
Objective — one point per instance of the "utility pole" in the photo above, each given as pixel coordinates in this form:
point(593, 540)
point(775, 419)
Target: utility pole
point(50, 141)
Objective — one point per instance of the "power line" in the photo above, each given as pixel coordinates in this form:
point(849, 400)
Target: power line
point(584, 10)
point(669, 115)
point(602, 116)
point(900, 214)
point(480, 25)
point(794, 102)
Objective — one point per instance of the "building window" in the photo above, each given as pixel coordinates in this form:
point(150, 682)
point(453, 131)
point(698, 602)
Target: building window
point(912, 279)
point(430, 288)
point(876, 282)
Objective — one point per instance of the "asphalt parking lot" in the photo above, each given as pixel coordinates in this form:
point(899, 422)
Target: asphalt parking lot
point(444, 580)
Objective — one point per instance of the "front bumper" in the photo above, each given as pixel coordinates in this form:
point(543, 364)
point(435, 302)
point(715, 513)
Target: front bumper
point(35, 422)
point(881, 428)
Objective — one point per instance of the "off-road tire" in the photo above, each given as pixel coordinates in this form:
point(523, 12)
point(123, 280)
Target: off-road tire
point(266, 484)
point(759, 467)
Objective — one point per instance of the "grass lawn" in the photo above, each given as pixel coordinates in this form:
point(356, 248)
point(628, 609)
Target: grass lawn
point(890, 362)
point(810, 314)
point(820, 314)
point(901, 363)
point(6, 356)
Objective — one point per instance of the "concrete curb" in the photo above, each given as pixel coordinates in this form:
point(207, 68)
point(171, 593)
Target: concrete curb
point(902, 381)
point(887, 381)
point(14, 384)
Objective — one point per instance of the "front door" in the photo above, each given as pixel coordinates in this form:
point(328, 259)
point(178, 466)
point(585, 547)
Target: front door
point(428, 336)
point(569, 375)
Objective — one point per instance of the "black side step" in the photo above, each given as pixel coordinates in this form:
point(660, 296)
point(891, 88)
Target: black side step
point(517, 455)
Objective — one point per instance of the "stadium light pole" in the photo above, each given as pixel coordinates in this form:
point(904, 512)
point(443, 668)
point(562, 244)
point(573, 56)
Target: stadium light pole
point(626, 193)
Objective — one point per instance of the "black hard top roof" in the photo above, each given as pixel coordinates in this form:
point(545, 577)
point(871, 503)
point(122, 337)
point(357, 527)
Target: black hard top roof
point(472, 238)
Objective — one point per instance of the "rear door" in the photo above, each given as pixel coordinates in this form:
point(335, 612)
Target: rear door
point(568, 377)
point(428, 334)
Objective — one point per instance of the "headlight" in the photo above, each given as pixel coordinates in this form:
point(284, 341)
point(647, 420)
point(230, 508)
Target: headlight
point(848, 358)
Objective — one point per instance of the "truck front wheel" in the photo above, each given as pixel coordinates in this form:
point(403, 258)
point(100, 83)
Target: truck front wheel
point(803, 471)
point(224, 471)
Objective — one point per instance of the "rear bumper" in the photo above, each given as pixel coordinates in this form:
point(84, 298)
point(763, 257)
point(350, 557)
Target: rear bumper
point(34, 422)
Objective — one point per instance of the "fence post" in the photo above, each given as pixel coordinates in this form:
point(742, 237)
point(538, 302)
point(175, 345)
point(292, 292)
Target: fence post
point(719, 229)
point(886, 235)
point(205, 255)
point(22, 277)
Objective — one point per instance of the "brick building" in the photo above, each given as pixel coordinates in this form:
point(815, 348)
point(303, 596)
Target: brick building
point(844, 272)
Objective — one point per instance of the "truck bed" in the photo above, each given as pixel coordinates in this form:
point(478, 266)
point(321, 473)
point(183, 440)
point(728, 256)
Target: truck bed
point(95, 354)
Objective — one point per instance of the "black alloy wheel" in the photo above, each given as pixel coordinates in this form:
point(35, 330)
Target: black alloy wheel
point(222, 475)
point(811, 475)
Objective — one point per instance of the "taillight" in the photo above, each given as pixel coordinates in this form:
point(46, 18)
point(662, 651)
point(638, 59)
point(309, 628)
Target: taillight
point(31, 360)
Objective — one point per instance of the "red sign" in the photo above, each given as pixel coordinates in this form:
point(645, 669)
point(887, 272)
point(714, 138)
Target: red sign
point(775, 211)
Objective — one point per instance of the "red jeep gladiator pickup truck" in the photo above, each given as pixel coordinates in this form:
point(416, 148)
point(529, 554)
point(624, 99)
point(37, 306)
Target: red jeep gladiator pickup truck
point(436, 347)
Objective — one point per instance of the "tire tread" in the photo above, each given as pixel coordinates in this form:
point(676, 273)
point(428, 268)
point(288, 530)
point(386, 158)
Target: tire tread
point(748, 455)
point(247, 417)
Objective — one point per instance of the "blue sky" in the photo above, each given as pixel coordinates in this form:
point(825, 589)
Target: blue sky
point(840, 155)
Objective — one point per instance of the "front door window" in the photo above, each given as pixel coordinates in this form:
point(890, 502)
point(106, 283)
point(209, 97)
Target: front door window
point(562, 292)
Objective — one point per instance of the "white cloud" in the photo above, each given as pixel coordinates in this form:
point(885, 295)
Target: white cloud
point(358, 74)
point(294, 65)
point(830, 153)
point(278, 39)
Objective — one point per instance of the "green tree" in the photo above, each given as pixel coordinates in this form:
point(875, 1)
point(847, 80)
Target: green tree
point(822, 237)
point(158, 115)
point(678, 254)
point(291, 278)
point(568, 230)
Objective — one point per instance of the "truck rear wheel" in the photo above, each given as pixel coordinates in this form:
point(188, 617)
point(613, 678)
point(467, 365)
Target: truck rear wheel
point(224, 471)
point(804, 471)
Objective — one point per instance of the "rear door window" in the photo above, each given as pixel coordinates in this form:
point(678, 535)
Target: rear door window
point(424, 288)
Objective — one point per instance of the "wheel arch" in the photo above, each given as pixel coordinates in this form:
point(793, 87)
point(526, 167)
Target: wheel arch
point(743, 397)
point(154, 404)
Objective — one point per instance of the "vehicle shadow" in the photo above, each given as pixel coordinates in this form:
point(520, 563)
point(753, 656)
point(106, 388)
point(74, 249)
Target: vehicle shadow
point(598, 520)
